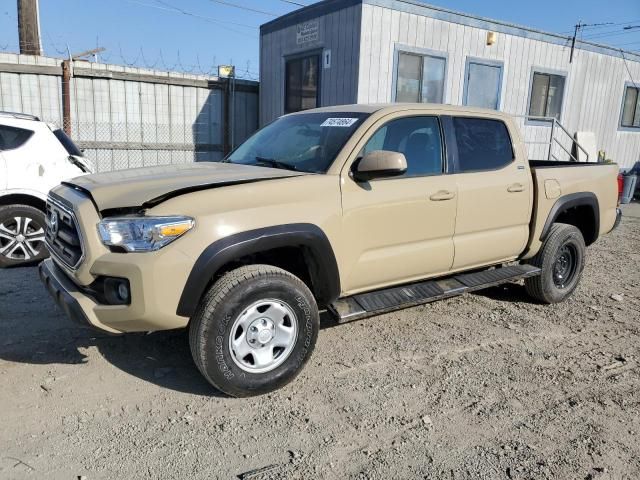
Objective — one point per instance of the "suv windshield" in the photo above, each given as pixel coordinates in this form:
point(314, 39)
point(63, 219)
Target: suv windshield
point(67, 143)
point(307, 142)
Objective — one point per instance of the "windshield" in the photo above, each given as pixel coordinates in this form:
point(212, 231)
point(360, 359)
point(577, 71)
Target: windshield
point(306, 142)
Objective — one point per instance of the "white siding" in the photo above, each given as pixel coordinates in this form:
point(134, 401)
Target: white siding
point(593, 90)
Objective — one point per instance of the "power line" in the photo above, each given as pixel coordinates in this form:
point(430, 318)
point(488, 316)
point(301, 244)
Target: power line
point(294, 3)
point(202, 17)
point(614, 33)
point(214, 21)
point(596, 26)
point(242, 7)
point(628, 70)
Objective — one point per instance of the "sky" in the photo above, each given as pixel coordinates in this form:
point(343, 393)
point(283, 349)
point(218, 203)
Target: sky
point(196, 35)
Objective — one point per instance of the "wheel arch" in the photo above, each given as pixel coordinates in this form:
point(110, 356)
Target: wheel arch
point(302, 249)
point(15, 198)
point(581, 209)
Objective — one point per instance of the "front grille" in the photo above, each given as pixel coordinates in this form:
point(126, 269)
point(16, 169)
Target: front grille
point(62, 234)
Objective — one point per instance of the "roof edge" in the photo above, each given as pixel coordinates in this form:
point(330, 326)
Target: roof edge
point(440, 13)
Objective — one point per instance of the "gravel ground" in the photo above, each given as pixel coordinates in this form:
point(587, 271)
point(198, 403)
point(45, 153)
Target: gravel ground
point(488, 385)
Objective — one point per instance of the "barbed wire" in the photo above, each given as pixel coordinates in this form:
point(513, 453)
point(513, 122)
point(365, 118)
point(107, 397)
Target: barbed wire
point(143, 60)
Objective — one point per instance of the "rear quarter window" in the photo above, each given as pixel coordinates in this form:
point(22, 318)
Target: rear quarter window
point(483, 144)
point(12, 137)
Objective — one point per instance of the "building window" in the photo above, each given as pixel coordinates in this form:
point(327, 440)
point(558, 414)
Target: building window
point(483, 84)
point(547, 93)
point(482, 144)
point(302, 83)
point(420, 78)
point(631, 108)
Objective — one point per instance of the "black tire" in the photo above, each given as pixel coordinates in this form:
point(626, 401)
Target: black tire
point(560, 276)
point(212, 325)
point(24, 254)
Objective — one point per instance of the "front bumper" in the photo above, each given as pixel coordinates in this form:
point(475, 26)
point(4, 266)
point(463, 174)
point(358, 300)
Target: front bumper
point(155, 286)
point(68, 297)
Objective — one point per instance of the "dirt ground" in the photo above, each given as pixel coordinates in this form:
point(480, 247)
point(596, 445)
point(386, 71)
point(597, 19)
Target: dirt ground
point(488, 385)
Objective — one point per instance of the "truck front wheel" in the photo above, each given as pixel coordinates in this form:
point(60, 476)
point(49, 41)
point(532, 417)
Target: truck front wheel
point(561, 259)
point(254, 330)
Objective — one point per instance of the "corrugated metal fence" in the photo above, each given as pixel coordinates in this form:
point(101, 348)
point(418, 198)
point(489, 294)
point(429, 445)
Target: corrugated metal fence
point(129, 117)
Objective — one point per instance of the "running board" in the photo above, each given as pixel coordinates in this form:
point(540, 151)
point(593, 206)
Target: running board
point(381, 301)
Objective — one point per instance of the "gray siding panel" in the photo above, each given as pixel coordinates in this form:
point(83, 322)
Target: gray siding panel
point(338, 31)
point(141, 118)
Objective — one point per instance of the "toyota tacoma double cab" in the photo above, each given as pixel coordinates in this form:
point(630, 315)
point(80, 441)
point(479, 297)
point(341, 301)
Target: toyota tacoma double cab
point(356, 210)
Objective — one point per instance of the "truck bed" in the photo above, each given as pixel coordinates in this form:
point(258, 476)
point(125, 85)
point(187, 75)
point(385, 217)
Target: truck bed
point(555, 180)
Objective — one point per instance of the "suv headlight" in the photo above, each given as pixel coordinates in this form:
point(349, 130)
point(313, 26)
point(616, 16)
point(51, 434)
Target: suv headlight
point(143, 234)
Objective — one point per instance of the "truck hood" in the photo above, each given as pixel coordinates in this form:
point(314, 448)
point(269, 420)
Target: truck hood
point(149, 186)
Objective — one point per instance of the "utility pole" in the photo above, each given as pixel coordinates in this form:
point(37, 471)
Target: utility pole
point(579, 26)
point(29, 27)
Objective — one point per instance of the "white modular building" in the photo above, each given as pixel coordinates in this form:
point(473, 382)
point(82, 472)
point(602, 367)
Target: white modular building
point(377, 51)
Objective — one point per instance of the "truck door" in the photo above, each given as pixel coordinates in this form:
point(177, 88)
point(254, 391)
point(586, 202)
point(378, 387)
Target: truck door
point(494, 192)
point(399, 229)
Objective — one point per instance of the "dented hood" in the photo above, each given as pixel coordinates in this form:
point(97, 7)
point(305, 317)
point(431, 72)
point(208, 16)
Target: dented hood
point(149, 186)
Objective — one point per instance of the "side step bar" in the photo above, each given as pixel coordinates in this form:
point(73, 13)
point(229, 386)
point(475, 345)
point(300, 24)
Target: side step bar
point(367, 304)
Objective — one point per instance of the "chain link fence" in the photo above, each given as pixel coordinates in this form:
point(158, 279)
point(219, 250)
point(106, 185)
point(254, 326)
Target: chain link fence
point(128, 117)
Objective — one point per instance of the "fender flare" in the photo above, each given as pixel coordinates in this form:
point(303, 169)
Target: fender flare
point(572, 200)
point(323, 268)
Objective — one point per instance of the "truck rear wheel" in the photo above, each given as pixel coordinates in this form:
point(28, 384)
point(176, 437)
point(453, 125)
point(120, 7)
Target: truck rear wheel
point(21, 236)
point(561, 259)
point(254, 330)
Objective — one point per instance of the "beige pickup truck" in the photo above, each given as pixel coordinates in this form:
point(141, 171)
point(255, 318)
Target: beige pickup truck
point(357, 209)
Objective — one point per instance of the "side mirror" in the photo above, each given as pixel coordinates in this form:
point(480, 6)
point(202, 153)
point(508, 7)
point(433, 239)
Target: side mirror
point(379, 164)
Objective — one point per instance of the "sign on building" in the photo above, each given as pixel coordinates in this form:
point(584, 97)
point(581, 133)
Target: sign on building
point(307, 32)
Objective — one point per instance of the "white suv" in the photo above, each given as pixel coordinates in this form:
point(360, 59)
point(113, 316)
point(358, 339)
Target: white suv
point(34, 157)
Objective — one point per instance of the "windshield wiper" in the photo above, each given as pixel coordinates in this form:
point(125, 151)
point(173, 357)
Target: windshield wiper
point(276, 163)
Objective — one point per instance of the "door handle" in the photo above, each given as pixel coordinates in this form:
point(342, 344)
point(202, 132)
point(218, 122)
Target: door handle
point(442, 195)
point(516, 187)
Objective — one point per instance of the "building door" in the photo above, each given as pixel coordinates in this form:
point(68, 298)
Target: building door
point(302, 82)
point(483, 84)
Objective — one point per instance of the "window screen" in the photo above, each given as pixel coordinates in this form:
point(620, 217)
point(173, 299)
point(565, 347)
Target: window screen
point(631, 108)
point(301, 85)
point(418, 138)
point(420, 78)
point(482, 144)
point(483, 85)
point(11, 137)
point(547, 93)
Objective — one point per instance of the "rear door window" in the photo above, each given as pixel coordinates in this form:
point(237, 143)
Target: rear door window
point(483, 144)
point(12, 137)
point(418, 138)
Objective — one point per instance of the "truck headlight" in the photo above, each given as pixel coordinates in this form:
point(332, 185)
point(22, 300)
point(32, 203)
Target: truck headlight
point(143, 234)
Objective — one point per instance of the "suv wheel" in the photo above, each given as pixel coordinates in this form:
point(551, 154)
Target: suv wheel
point(561, 259)
point(254, 330)
point(21, 235)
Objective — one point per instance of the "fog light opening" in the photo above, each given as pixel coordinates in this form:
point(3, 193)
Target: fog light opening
point(117, 291)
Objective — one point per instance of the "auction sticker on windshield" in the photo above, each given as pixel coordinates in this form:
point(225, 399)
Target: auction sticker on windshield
point(338, 122)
